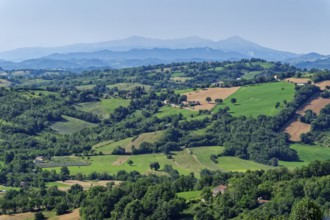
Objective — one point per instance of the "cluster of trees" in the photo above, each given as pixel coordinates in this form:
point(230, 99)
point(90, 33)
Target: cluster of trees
point(320, 127)
point(320, 76)
point(276, 193)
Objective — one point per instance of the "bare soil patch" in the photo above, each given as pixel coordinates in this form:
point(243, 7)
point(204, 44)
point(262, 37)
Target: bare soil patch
point(214, 93)
point(295, 128)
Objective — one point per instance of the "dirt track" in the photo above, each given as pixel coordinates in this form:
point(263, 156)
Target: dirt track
point(214, 93)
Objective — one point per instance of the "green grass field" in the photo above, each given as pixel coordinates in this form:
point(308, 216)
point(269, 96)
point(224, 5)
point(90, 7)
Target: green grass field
point(85, 87)
point(190, 195)
point(177, 74)
point(169, 111)
point(250, 75)
point(8, 188)
point(111, 104)
point(185, 161)
point(109, 146)
point(70, 125)
point(103, 108)
point(307, 154)
point(259, 99)
point(180, 78)
point(225, 163)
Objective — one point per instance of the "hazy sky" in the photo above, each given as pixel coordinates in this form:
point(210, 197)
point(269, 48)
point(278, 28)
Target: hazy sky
point(292, 25)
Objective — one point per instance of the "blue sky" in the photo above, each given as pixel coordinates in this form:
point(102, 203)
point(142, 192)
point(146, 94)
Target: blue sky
point(293, 25)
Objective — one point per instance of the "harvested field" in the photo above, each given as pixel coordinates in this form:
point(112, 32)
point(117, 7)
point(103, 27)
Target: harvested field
point(294, 127)
point(297, 80)
point(323, 84)
point(214, 93)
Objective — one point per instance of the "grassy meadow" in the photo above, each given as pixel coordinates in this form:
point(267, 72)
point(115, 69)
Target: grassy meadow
point(307, 154)
point(185, 161)
point(108, 146)
point(104, 107)
point(190, 195)
point(259, 99)
point(70, 125)
point(169, 111)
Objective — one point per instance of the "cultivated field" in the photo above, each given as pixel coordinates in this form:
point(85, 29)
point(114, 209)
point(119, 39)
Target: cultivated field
point(295, 127)
point(214, 93)
point(70, 125)
point(315, 103)
point(323, 84)
point(259, 99)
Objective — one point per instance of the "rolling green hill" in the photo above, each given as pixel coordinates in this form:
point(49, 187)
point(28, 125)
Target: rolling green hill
point(259, 99)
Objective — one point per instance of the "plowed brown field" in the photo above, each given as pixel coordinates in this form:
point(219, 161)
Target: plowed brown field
point(294, 127)
point(323, 84)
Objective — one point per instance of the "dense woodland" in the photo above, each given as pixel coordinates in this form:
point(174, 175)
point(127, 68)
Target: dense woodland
point(28, 110)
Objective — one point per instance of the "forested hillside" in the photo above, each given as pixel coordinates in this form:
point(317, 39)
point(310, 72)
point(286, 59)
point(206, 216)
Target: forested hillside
point(139, 126)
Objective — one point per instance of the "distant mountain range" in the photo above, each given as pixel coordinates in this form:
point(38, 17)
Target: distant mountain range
point(136, 51)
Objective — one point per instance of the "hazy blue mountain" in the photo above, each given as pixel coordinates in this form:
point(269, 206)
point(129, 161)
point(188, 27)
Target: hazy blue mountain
point(118, 59)
point(311, 60)
point(233, 44)
point(136, 51)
